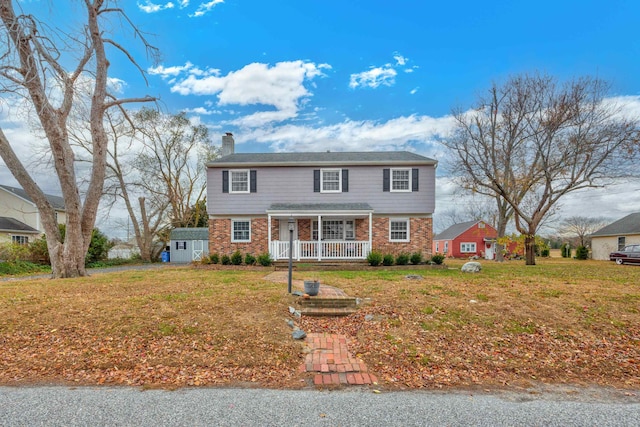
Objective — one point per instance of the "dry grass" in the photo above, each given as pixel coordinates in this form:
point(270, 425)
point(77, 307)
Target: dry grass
point(562, 321)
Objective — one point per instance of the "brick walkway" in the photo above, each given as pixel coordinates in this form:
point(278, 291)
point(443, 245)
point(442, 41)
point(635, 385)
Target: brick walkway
point(332, 363)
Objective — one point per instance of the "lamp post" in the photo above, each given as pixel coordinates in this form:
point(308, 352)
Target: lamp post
point(292, 225)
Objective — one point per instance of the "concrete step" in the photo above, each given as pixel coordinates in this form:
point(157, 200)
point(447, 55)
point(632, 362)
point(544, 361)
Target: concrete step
point(327, 311)
point(328, 302)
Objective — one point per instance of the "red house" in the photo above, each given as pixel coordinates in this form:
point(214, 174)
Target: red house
point(467, 239)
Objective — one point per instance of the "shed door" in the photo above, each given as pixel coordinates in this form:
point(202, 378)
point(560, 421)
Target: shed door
point(198, 248)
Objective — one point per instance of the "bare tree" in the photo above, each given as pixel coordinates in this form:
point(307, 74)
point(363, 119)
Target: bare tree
point(33, 66)
point(582, 227)
point(171, 162)
point(531, 141)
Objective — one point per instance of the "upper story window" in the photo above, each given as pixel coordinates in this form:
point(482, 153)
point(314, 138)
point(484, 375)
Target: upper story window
point(400, 179)
point(331, 180)
point(239, 181)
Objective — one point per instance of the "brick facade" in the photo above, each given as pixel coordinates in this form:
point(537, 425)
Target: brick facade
point(420, 236)
point(220, 237)
point(420, 230)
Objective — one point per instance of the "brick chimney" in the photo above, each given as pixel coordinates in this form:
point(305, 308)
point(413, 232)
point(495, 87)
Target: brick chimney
point(228, 145)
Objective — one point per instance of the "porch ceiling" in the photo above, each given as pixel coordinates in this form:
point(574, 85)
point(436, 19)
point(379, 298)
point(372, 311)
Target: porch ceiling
point(306, 209)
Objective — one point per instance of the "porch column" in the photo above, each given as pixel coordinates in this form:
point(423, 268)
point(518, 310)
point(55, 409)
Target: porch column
point(269, 232)
point(370, 232)
point(319, 237)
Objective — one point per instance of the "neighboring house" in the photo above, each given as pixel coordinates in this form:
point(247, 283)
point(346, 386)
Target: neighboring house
point(14, 231)
point(467, 239)
point(339, 205)
point(189, 244)
point(123, 250)
point(615, 236)
point(16, 204)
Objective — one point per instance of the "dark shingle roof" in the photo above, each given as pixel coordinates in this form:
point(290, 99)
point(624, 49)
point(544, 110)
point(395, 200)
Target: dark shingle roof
point(197, 233)
point(56, 201)
point(630, 224)
point(12, 224)
point(320, 207)
point(455, 230)
point(324, 158)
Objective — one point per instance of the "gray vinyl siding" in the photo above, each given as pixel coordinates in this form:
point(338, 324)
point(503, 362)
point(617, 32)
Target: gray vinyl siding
point(295, 185)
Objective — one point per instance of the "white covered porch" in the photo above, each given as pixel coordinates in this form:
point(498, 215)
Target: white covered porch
point(320, 231)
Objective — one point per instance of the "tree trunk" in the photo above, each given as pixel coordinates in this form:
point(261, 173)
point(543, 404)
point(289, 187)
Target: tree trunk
point(530, 249)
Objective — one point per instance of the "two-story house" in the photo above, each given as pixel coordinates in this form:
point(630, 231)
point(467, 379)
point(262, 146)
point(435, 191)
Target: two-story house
point(339, 205)
point(20, 220)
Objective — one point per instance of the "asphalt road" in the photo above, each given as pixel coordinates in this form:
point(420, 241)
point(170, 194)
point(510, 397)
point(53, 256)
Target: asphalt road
point(109, 406)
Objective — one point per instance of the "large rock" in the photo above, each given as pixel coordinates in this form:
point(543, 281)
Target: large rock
point(471, 267)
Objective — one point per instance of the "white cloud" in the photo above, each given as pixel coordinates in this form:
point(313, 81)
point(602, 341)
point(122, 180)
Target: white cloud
point(374, 77)
point(201, 111)
point(184, 3)
point(400, 60)
point(206, 7)
point(414, 90)
point(402, 133)
point(149, 7)
point(281, 86)
point(377, 76)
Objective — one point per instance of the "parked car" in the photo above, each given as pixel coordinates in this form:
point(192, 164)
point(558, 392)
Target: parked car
point(629, 255)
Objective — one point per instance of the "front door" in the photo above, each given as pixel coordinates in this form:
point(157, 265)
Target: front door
point(284, 237)
point(489, 250)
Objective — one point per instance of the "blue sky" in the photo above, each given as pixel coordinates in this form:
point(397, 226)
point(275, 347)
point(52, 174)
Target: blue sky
point(315, 75)
point(307, 75)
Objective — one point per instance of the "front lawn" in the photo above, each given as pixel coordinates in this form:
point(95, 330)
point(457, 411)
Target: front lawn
point(562, 321)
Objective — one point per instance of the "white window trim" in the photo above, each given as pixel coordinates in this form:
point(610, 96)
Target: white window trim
point(245, 171)
point(314, 229)
point(437, 247)
point(322, 171)
point(391, 180)
point(472, 245)
point(446, 247)
point(405, 220)
point(233, 223)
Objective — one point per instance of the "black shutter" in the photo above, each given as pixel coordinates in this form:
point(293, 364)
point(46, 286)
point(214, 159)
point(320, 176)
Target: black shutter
point(253, 181)
point(345, 180)
point(316, 180)
point(386, 179)
point(414, 178)
point(225, 181)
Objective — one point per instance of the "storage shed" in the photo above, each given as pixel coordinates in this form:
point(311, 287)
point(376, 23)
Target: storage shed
point(189, 244)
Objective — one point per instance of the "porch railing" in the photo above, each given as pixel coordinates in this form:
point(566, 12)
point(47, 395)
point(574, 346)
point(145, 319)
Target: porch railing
point(351, 249)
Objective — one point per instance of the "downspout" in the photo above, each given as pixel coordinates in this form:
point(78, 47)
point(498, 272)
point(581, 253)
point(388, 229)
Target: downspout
point(269, 233)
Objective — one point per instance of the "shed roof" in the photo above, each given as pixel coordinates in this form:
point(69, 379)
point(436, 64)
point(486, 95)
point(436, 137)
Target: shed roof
point(190, 233)
point(323, 158)
point(55, 201)
point(12, 224)
point(455, 230)
point(630, 224)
